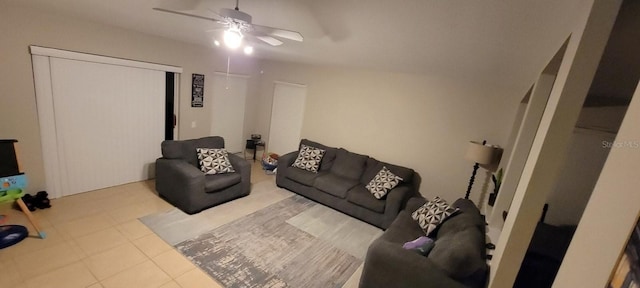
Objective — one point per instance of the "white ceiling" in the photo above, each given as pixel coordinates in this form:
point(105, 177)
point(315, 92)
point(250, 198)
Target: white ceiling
point(481, 40)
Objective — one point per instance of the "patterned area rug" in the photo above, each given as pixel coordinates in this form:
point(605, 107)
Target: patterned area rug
point(292, 243)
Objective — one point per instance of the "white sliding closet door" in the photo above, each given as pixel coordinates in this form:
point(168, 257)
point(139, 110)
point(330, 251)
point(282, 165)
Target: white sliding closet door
point(227, 110)
point(286, 117)
point(101, 124)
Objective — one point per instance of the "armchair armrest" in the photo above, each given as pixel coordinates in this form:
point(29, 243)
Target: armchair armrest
point(243, 167)
point(387, 264)
point(176, 180)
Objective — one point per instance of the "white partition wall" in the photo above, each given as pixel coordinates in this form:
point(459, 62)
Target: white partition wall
point(227, 110)
point(101, 124)
point(286, 117)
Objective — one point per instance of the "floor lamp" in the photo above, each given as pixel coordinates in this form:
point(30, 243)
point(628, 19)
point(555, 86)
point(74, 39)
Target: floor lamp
point(481, 154)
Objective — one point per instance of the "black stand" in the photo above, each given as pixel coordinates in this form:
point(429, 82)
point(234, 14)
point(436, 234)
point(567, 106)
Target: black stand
point(473, 178)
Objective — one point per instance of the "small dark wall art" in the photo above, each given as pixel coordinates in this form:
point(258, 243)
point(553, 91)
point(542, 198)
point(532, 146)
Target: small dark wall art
point(197, 90)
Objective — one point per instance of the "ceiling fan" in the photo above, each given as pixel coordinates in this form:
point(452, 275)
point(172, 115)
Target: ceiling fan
point(238, 26)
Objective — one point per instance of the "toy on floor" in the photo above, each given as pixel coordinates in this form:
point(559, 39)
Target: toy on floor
point(12, 183)
point(12, 234)
point(270, 163)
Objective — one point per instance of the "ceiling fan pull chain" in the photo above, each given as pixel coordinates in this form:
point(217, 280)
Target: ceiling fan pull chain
point(227, 80)
point(237, 2)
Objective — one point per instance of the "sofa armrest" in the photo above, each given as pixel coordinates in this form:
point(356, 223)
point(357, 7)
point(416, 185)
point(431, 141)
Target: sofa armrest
point(414, 203)
point(288, 159)
point(285, 161)
point(396, 200)
point(176, 180)
point(387, 264)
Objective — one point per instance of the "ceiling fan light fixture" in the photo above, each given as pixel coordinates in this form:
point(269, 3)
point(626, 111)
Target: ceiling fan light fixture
point(232, 38)
point(248, 50)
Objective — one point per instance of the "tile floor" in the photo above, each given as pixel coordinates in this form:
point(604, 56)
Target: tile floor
point(95, 240)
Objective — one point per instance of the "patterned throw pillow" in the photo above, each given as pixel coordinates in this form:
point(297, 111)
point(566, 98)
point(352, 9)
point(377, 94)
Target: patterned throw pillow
point(309, 158)
point(432, 214)
point(384, 181)
point(214, 161)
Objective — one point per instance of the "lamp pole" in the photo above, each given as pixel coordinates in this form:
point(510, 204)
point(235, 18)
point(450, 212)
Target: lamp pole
point(473, 175)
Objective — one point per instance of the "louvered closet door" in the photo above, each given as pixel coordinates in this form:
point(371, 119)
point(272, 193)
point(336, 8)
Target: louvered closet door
point(109, 122)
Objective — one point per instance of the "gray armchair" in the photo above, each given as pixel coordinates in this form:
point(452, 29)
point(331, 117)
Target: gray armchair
point(180, 181)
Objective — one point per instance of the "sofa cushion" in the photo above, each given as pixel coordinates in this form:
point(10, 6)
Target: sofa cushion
point(301, 176)
point(217, 182)
point(348, 164)
point(329, 154)
point(373, 166)
point(460, 254)
point(334, 184)
point(432, 214)
point(360, 196)
point(309, 158)
point(214, 161)
point(384, 181)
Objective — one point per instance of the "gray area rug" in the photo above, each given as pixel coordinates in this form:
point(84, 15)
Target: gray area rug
point(292, 243)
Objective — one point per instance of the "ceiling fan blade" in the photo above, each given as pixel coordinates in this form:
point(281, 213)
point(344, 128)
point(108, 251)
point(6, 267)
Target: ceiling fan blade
point(191, 13)
point(277, 32)
point(270, 40)
point(215, 30)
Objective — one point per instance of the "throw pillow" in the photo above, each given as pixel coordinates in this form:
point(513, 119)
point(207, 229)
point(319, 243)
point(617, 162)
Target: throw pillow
point(309, 158)
point(214, 161)
point(432, 214)
point(384, 181)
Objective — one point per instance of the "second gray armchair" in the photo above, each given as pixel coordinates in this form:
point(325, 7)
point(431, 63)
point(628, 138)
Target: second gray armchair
point(181, 182)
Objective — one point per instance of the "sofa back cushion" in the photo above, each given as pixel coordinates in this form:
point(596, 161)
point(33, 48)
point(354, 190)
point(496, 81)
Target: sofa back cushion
point(374, 166)
point(186, 149)
point(348, 164)
point(329, 154)
point(468, 217)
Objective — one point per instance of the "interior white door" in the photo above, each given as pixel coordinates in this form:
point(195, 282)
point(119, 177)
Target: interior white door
point(287, 114)
point(227, 110)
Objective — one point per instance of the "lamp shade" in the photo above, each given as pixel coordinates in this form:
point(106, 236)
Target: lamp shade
point(479, 153)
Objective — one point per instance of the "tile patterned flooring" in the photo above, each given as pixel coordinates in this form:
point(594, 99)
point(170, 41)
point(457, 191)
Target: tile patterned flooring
point(95, 240)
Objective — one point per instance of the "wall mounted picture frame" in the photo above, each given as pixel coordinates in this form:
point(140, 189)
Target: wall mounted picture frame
point(626, 273)
point(197, 90)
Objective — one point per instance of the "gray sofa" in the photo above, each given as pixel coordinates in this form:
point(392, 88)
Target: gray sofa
point(458, 258)
point(180, 181)
point(341, 180)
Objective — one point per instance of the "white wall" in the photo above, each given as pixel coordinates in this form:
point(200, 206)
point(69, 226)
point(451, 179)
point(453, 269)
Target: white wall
point(20, 27)
point(548, 152)
point(417, 121)
point(585, 158)
point(611, 212)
